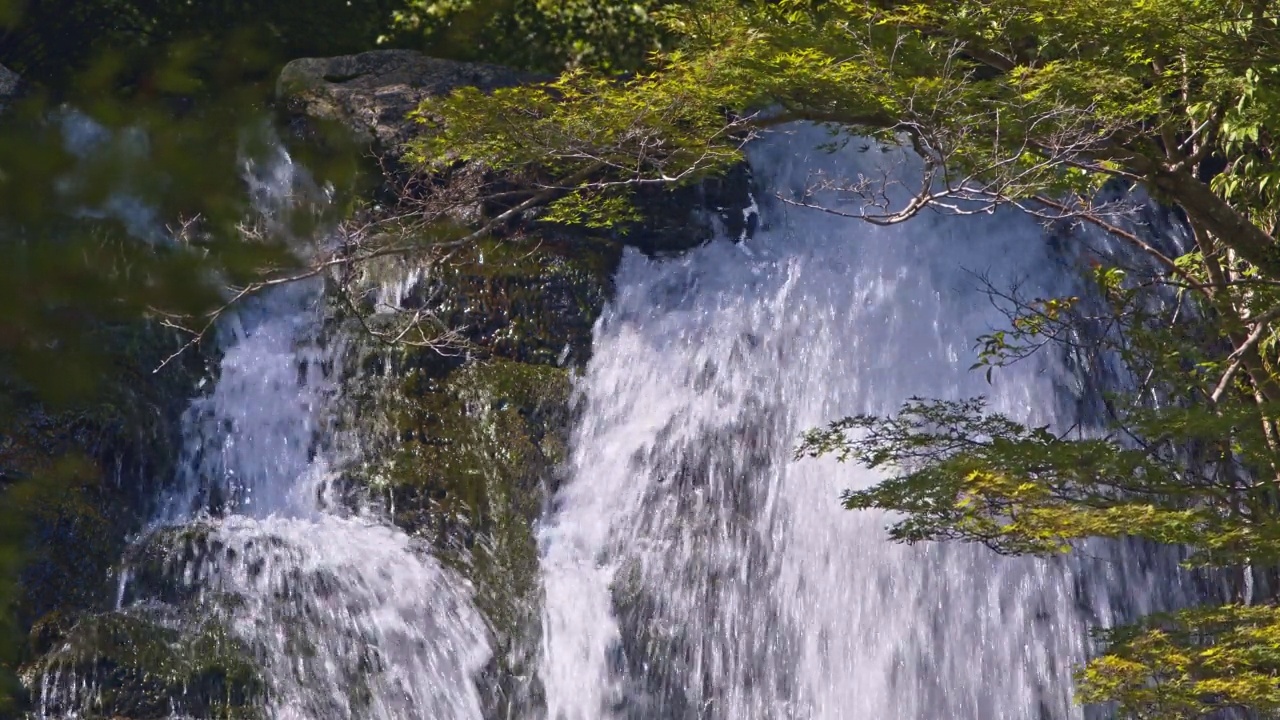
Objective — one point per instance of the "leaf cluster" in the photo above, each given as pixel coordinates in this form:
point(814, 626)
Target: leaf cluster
point(959, 472)
point(582, 145)
point(542, 35)
point(1190, 663)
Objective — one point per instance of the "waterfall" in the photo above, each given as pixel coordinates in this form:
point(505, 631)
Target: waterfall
point(347, 616)
point(692, 569)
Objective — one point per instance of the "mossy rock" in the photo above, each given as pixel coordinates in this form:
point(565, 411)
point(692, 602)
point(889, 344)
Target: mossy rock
point(159, 566)
point(463, 448)
point(72, 527)
point(467, 445)
point(78, 477)
point(539, 303)
point(75, 499)
point(472, 450)
point(465, 460)
point(533, 299)
point(148, 663)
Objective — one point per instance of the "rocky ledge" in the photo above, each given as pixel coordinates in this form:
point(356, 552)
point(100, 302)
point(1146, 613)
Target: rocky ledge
point(372, 93)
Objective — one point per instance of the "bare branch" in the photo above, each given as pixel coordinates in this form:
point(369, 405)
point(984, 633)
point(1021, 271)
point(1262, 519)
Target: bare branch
point(1261, 324)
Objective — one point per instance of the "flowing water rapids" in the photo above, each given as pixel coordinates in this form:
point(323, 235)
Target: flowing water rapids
point(692, 569)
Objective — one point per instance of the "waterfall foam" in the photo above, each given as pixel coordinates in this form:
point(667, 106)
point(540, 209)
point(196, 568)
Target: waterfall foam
point(693, 570)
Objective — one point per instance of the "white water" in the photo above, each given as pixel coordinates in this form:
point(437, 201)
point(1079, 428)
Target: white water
point(348, 618)
point(693, 570)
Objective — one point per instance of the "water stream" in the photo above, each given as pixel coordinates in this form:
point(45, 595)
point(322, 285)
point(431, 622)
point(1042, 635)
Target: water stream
point(350, 618)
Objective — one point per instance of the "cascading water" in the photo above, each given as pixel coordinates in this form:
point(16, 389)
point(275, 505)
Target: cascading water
point(693, 570)
point(346, 617)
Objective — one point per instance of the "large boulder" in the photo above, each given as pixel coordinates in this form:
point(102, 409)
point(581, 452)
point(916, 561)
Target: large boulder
point(147, 663)
point(373, 92)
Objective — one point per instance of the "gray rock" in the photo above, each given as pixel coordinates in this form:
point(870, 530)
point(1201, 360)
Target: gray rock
point(372, 92)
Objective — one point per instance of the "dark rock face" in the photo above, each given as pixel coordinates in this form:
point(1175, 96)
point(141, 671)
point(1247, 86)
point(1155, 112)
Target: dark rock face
point(78, 480)
point(85, 475)
point(531, 304)
point(683, 218)
point(373, 92)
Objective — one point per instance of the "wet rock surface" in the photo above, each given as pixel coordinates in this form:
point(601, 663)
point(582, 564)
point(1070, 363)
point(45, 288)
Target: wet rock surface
point(148, 663)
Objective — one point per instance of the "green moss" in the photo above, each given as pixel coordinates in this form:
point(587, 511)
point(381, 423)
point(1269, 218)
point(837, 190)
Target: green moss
point(487, 432)
point(545, 252)
point(468, 465)
point(145, 664)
